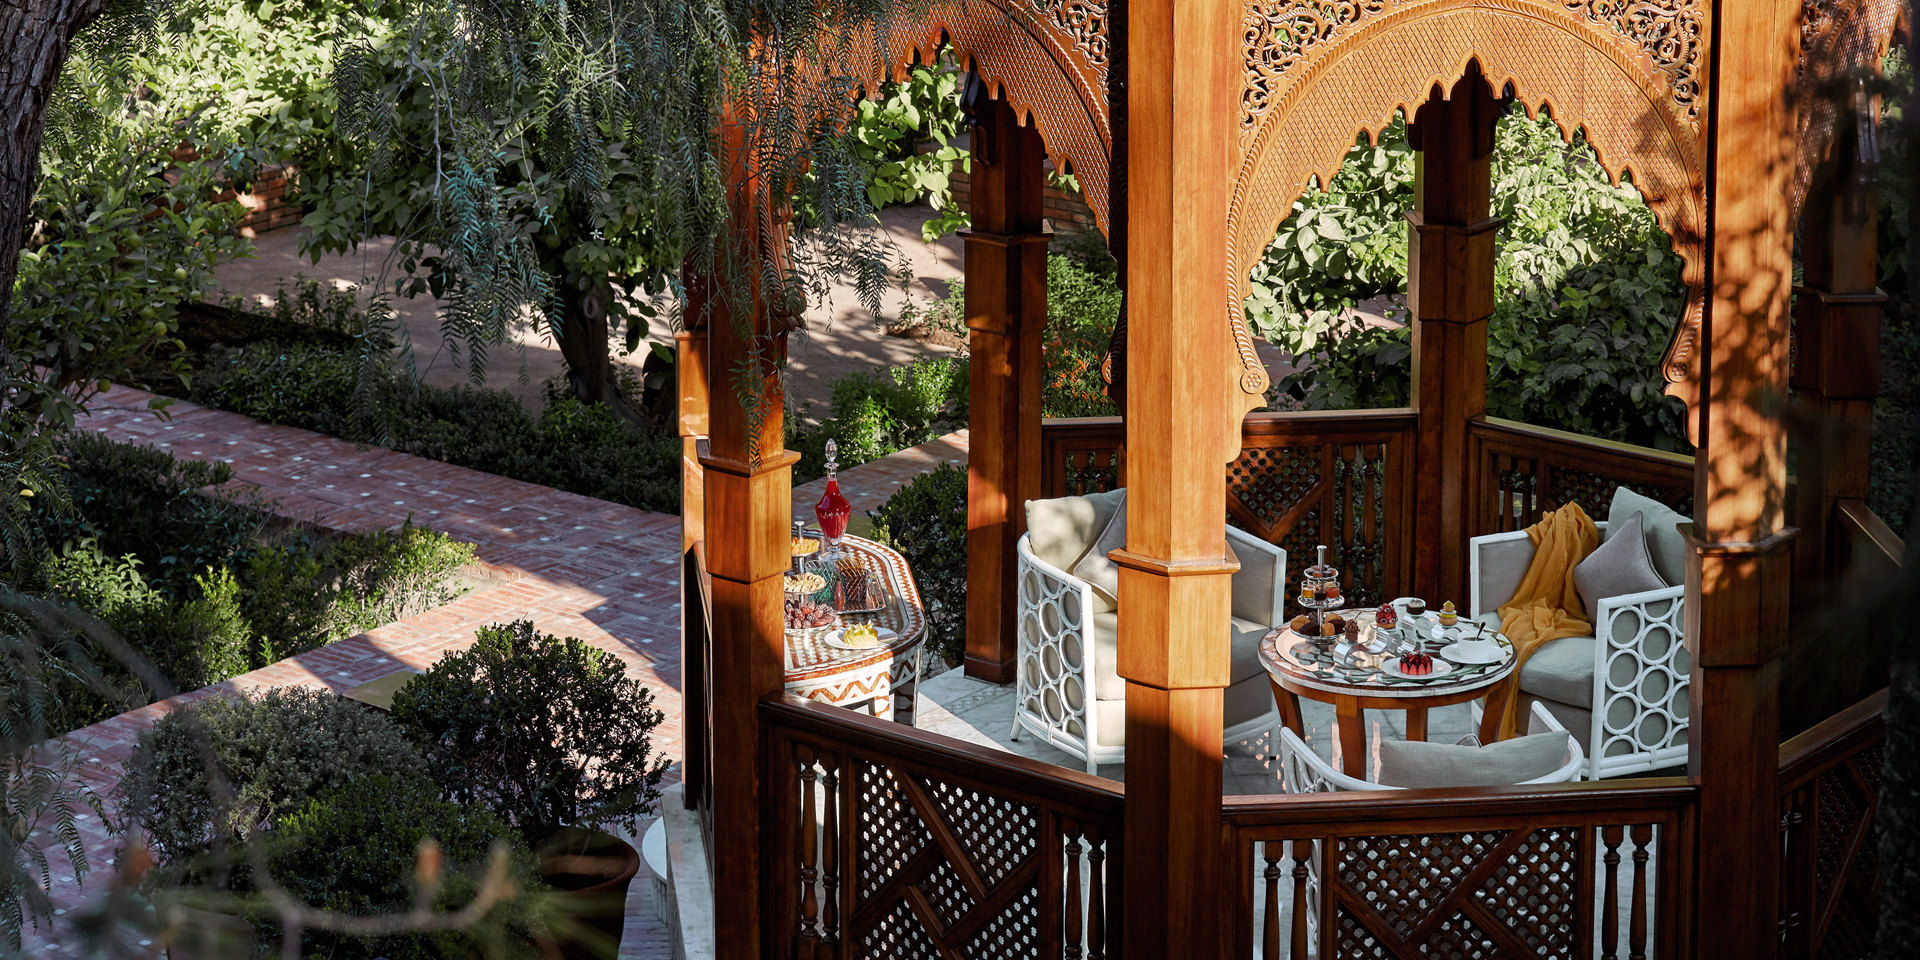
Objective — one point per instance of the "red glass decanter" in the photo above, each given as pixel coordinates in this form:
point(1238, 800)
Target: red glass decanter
point(833, 511)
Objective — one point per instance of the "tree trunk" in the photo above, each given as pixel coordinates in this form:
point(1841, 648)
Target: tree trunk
point(39, 34)
point(582, 335)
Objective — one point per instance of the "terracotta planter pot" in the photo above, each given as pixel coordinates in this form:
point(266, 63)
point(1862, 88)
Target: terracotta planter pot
point(590, 871)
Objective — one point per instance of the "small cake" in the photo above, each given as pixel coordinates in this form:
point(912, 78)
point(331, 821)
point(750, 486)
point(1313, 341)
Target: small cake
point(1416, 664)
point(805, 583)
point(1327, 629)
point(805, 546)
point(1338, 622)
point(1448, 617)
point(1416, 607)
point(1299, 624)
point(1386, 616)
point(862, 635)
point(1353, 631)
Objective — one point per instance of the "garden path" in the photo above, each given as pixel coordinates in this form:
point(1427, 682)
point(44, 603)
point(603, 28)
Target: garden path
point(576, 566)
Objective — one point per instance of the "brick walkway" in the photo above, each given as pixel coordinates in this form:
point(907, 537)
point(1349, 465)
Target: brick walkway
point(576, 566)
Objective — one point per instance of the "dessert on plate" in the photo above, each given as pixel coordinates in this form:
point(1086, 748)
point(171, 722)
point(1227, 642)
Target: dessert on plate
point(1416, 664)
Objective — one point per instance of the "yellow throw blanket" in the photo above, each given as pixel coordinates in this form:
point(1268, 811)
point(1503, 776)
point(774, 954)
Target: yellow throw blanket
point(1546, 606)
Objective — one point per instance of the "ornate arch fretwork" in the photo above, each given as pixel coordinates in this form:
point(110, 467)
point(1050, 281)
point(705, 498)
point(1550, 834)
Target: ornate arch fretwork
point(1590, 63)
point(1046, 58)
point(1280, 35)
point(1839, 40)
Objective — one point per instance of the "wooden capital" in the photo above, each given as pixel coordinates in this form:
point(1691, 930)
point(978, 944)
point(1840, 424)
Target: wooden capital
point(1837, 343)
point(1737, 614)
point(1174, 624)
point(748, 508)
point(1450, 275)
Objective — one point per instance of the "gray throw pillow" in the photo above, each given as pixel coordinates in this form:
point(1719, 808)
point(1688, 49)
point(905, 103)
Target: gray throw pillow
point(1664, 540)
point(1620, 566)
point(1416, 763)
point(1098, 569)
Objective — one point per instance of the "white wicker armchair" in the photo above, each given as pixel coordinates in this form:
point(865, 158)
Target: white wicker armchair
point(1068, 691)
point(1623, 691)
point(1307, 773)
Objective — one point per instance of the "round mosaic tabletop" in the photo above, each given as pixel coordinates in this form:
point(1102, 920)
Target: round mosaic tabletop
point(1367, 668)
point(818, 670)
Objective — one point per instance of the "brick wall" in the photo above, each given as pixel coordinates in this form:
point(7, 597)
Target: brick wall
point(1067, 209)
point(267, 207)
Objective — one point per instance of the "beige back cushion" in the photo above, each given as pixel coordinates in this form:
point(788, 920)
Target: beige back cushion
point(1415, 763)
point(1062, 529)
point(1618, 567)
point(1662, 529)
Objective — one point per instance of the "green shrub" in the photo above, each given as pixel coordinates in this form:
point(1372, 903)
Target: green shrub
point(274, 752)
point(356, 850)
point(1083, 303)
point(881, 413)
point(1587, 291)
point(926, 521)
point(583, 448)
point(139, 500)
point(545, 732)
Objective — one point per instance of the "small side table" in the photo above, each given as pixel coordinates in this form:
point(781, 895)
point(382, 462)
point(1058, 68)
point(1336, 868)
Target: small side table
point(1352, 698)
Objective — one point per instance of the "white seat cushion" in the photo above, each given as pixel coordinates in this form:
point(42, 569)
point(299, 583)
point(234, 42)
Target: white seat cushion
point(1561, 670)
point(1244, 701)
point(1108, 684)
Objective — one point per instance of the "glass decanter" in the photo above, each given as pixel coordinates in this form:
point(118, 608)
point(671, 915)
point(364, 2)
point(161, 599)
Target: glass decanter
point(833, 511)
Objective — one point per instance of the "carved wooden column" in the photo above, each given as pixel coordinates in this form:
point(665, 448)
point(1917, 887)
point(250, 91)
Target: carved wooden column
point(1006, 273)
point(1450, 295)
point(749, 503)
point(1836, 376)
point(1739, 570)
point(1183, 98)
point(1836, 373)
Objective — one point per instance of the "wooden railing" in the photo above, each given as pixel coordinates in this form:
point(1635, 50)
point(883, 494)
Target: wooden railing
point(1872, 546)
point(887, 841)
point(1829, 872)
point(1563, 871)
point(1521, 472)
point(1342, 477)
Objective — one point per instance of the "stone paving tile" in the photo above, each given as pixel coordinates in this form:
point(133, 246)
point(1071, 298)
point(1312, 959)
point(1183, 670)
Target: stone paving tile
point(577, 566)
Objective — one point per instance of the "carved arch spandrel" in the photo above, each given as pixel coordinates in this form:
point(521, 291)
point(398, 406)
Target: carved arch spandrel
point(1585, 75)
point(1047, 59)
point(1839, 40)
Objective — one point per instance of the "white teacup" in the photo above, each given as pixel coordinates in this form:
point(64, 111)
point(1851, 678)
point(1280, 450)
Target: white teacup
point(1480, 650)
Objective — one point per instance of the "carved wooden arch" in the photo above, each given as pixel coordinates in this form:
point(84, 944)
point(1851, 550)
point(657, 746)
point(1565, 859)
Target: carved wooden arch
point(1633, 90)
point(1047, 59)
point(1839, 40)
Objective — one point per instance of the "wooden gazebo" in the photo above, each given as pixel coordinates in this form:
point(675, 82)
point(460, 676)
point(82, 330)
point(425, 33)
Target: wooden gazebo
point(1192, 127)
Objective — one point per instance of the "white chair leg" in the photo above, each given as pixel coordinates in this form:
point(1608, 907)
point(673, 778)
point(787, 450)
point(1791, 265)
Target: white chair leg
point(1015, 735)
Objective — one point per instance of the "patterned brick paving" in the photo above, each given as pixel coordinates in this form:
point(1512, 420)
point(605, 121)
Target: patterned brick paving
point(576, 566)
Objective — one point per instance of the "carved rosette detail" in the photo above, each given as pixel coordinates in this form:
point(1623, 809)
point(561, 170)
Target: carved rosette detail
point(1083, 20)
point(1669, 32)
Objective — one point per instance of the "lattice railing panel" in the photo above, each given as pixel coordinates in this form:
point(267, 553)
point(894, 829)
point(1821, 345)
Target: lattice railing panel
point(1830, 780)
point(1301, 480)
point(1547, 875)
point(1524, 472)
point(886, 847)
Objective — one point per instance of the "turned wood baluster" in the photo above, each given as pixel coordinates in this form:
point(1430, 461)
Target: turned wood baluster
point(1637, 920)
point(809, 854)
point(1074, 911)
point(1610, 913)
point(1271, 942)
point(830, 879)
point(1301, 849)
point(1096, 895)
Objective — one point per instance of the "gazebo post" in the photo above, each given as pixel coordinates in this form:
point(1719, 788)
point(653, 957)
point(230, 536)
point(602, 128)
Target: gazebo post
point(1739, 570)
point(1836, 376)
point(1836, 373)
point(1006, 302)
point(748, 503)
point(1183, 78)
point(1450, 261)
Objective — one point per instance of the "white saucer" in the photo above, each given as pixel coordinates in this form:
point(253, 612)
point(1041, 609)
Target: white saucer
point(1392, 669)
point(1488, 652)
point(887, 637)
